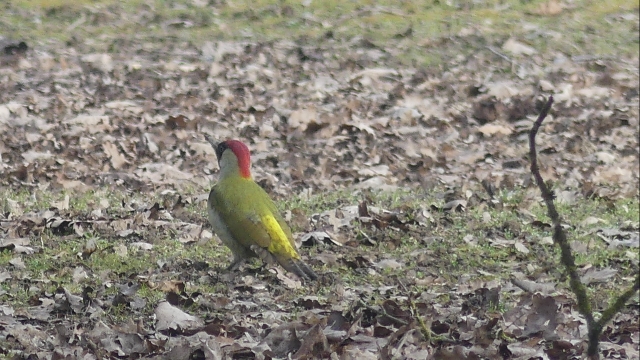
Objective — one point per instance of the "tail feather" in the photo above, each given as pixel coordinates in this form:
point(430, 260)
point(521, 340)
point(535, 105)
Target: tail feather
point(299, 268)
point(295, 266)
point(311, 275)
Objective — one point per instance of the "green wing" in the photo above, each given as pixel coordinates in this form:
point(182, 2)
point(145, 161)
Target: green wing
point(252, 218)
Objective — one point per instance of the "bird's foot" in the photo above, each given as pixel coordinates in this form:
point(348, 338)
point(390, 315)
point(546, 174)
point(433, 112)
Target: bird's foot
point(235, 265)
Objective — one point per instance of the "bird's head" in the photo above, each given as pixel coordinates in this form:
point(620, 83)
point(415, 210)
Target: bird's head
point(233, 157)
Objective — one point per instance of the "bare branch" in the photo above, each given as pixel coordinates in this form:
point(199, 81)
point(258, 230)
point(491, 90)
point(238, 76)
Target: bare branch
point(567, 258)
point(559, 236)
point(620, 302)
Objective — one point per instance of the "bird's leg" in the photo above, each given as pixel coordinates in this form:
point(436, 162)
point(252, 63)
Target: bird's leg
point(263, 254)
point(235, 265)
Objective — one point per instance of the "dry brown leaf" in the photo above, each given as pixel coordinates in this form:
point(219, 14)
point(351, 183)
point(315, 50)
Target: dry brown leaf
point(112, 152)
point(494, 129)
point(169, 317)
point(549, 8)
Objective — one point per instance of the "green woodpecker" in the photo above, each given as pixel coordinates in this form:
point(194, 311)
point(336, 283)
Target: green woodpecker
point(245, 218)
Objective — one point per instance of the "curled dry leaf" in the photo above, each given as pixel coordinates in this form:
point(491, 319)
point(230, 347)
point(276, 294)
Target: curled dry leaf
point(169, 317)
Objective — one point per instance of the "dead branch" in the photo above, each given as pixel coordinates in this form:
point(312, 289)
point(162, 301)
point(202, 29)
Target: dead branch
point(567, 258)
point(559, 236)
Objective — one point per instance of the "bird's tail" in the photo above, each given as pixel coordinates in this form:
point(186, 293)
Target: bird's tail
point(299, 268)
point(295, 266)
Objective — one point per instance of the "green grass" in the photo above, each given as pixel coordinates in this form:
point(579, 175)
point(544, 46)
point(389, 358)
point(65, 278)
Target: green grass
point(440, 30)
point(436, 250)
point(456, 258)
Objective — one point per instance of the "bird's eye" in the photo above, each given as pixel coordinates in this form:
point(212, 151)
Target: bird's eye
point(221, 148)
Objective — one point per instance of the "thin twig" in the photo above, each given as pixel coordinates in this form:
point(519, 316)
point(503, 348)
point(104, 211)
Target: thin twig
point(585, 58)
point(567, 258)
point(620, 302)
point(493, 50)
point(559, 237)
point(609, 313)
point(424, 329)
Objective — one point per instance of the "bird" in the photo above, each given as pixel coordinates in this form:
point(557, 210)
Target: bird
point(245, 218)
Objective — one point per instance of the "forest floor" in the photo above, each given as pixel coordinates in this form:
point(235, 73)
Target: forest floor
point(394, 138)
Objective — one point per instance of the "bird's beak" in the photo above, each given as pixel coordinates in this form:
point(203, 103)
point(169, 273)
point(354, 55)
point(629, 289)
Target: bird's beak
point(215, 145)
point(211, 141)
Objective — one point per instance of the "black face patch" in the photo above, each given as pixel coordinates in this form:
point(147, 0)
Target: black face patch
point(220, 149)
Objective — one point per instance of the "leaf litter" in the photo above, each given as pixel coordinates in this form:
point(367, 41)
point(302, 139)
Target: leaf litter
point(318, 121)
